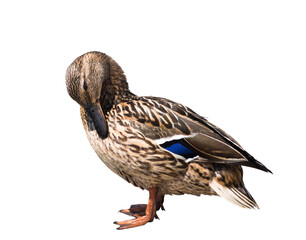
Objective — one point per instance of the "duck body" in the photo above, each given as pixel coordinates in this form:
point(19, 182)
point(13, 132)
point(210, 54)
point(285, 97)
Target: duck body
point(154, 143)
point(127, 141)
point(121, 151)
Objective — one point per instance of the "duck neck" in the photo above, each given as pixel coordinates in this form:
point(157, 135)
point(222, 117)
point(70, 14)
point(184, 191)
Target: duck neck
point(115, 88)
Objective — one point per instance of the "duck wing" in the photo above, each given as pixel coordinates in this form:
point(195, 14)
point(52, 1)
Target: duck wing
point(183, 132)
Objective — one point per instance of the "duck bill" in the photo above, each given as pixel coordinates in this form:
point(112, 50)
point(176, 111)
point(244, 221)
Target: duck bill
point(95, 112)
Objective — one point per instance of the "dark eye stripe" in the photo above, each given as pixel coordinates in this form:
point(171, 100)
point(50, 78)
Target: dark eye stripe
point(85, 86)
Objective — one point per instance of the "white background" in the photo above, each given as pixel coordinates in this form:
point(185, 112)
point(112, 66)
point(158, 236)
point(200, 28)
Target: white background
point(241, 64)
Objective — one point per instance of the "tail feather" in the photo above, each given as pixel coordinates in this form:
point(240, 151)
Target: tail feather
point(237, 195)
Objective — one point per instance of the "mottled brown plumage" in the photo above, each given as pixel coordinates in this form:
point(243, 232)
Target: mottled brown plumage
point(154, 143)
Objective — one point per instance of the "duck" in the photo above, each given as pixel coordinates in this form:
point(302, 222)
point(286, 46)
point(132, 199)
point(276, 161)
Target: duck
point(154, 143)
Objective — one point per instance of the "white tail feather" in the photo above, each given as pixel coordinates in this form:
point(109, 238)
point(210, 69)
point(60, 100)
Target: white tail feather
point(239, 196)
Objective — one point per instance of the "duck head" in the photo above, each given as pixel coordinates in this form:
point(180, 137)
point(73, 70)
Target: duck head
point(84, 79)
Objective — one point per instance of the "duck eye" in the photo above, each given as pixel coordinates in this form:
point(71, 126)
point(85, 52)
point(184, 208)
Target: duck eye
point(85, 86)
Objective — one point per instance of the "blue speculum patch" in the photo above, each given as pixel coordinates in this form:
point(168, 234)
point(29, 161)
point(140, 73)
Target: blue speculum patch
point(179, 149)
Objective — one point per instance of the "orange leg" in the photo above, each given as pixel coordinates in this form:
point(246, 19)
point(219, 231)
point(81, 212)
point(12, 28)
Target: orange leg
point(160, 202)
point(137, 211)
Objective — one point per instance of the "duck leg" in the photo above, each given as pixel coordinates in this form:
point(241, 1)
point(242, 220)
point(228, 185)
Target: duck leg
point(137, 210)
point(141, 216)
point(160, 202)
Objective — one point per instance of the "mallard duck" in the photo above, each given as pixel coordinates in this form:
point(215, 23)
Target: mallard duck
point(154, 143)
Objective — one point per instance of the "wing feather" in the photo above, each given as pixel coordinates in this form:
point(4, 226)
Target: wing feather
point(163, 120)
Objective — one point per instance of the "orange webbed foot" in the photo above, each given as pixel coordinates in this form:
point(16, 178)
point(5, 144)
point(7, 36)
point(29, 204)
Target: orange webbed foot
point(143, 213)
point(136, 210)
point(138, 221)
